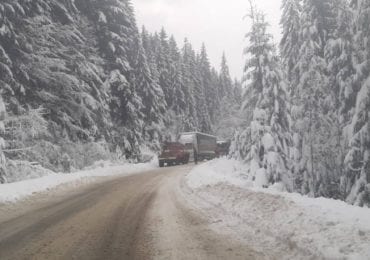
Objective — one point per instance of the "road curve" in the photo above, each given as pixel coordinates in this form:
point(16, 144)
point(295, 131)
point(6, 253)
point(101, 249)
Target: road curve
point(135, 217)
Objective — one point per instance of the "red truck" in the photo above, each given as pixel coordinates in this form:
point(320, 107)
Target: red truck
point(173, 153)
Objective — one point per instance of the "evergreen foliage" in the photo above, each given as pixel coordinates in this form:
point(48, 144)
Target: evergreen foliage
point(265, 142)
point(323, 123)
point(101, 83)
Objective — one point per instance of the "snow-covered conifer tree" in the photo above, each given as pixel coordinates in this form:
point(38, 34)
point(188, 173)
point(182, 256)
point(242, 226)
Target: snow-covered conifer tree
point(179, 102)
point(164, 67)
point(188, 62)
point(311, 98)
point(228, 118)
point(154, 104)
point(290, 44)
point(339, 51)
point(210, 90)
point(200, 82)
point(264, 145)
point(357, 179)
point(2, 142)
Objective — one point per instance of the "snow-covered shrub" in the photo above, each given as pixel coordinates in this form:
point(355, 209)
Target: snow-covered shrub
point(85, 154)
point(23, 170)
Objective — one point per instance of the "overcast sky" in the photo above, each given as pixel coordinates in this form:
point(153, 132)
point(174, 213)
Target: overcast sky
point(217, 23)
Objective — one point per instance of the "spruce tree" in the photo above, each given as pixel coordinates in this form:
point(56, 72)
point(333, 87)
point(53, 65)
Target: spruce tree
point(357, 179)
point(339, 51)
point(265, 143)
point(290, 42)
point(188, 63)
point(210, 91)
point(200, 82)
point(176, 77)
point(226, 84)
point(228, 104)
point(310, 107)
point(154, 104)
point(164, 67)
point(118, 38)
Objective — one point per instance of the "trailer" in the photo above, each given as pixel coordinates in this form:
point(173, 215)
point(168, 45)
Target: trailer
point(204, 144)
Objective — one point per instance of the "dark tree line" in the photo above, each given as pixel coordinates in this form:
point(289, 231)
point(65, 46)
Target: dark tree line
point(102, 85)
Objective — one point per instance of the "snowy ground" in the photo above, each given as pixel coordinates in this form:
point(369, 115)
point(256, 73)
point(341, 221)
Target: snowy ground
point(277, 224)
point(13, 192)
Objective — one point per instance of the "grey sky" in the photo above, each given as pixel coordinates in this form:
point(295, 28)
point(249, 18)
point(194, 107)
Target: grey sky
point(217, 23)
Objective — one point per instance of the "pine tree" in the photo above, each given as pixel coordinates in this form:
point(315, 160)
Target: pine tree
point(228, 118)
point(339, 52)
point(266, 141)
point(200, 79)
point(310, 104)
point(3, 171)
point(175, 75)
point(164, 67)
point(188, 62)
point(290, 42)
point(118, 38)
point(210, 90)
point(154, 104)
point(225, 85)
point(357, 179)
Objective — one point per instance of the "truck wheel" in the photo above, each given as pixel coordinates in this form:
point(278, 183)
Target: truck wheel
point(161, 164)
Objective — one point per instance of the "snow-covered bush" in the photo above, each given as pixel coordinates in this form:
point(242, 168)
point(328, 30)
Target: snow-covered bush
point(23, 170)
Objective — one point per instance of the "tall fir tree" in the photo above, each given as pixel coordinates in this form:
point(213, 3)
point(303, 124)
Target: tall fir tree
point(228, 104)
point(200, 81)
point(118, 38)
point(357, 179)
point(339, 51)
point(154, 104)
point(210, 91)
point(310, 104)
point(290, 42)
point(188, 62)
point(265, 143)
point(179, 103)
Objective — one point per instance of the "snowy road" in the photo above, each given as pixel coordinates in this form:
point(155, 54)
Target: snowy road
point(135, 217)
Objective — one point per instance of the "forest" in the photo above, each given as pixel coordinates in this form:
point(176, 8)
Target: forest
point(309, 100)
point(78, 78)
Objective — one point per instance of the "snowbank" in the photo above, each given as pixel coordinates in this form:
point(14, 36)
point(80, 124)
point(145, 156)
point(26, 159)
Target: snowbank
point(217, 171)
point(278, 224)
point(12, 192)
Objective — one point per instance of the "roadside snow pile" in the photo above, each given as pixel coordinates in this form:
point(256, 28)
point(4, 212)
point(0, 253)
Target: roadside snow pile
point(277, 224)
point(218, 171)
point(12, 192)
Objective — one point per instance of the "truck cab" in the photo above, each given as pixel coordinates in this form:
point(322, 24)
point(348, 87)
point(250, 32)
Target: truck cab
point(173, 153)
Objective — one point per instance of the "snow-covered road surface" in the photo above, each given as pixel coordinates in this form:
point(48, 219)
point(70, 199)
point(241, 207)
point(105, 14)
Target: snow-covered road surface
point(141, 216)
point(208, 212)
